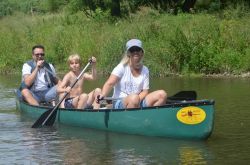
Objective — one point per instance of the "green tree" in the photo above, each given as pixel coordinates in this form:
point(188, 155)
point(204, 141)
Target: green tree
point(115, 8)
point(5, 8)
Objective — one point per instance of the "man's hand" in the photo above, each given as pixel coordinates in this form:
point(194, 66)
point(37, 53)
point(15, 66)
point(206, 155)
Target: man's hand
point(39, 63)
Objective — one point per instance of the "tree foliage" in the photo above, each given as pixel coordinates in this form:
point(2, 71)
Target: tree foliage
point(114, 7)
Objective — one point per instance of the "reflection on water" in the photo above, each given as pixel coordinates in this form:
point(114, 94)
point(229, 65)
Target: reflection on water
point(117, 148)
point(189, 155)
point(74, 145)
point(61, 144)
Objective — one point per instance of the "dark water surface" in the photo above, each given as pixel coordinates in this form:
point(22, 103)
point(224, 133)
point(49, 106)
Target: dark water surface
point(228, 144)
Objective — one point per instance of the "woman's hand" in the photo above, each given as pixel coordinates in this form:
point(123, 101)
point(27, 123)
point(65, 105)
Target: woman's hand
point(99, 98)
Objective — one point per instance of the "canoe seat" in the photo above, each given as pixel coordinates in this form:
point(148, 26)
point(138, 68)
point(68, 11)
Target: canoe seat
point(106, 106)
point(48, 104)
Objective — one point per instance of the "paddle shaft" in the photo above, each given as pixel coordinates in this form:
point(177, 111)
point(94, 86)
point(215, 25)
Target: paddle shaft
point(64, 96)
point(53, 74)
point(181, 95)
point(111, 98)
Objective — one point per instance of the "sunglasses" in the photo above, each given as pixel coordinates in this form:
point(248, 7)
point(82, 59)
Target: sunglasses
point(135, 49)
point(39, 54)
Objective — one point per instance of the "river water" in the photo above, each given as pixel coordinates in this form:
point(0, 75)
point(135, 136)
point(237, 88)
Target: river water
point(228, 144)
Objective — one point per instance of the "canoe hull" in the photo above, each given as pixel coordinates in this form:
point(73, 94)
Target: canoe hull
point(189, 120)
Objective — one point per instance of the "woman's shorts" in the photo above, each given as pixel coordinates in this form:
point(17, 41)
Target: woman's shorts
point(118, 104)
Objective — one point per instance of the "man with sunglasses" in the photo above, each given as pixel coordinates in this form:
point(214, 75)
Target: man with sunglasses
point(38, 78)
point(130, 80)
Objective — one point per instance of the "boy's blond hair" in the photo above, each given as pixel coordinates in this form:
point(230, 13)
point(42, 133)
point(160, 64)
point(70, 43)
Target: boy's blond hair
point(74, 57)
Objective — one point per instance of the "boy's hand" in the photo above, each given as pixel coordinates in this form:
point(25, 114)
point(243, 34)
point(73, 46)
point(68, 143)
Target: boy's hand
point(93, 59)
point(68, 89)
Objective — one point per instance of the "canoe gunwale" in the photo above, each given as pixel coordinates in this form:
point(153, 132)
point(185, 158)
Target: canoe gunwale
point(168, 105)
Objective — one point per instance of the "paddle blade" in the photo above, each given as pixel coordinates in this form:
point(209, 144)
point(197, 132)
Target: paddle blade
point(47, 118)
point(184, 95)
point(51, 119)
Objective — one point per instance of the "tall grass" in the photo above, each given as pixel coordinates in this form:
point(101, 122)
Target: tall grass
point(183, 44)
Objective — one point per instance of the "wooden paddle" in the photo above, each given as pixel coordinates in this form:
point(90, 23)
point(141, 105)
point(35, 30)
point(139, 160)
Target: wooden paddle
point(48, 117)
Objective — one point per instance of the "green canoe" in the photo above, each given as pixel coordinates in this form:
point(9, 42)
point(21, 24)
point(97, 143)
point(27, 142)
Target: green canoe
point(178, 119)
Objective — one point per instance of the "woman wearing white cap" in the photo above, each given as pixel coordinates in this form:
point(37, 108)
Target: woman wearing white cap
point(130, 80)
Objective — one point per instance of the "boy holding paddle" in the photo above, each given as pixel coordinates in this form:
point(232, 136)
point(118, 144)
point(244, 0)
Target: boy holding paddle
point(76, 98)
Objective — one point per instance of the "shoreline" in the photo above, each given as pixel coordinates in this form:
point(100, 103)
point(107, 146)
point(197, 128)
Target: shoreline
point(191, 75)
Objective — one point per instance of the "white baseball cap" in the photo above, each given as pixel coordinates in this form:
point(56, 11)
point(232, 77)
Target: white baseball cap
point(134, 42)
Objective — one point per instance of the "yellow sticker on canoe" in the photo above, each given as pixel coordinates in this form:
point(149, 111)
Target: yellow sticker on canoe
point(191, 115)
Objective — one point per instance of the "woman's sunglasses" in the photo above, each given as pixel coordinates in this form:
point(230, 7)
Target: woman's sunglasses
point(135, 49)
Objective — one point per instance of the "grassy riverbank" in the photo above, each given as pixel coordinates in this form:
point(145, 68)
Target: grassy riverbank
point(183, 44)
